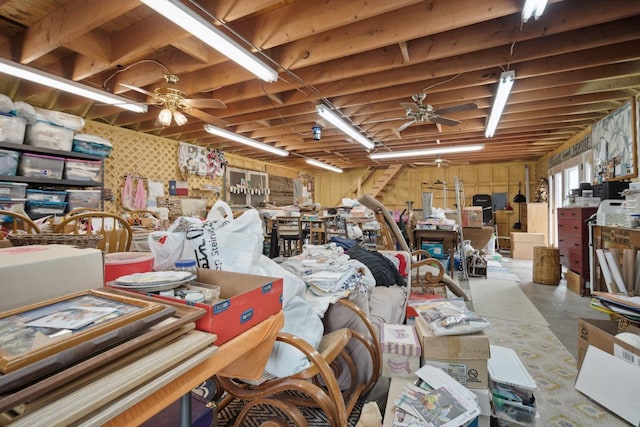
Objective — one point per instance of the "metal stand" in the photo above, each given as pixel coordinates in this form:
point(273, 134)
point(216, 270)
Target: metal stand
point(464, 275)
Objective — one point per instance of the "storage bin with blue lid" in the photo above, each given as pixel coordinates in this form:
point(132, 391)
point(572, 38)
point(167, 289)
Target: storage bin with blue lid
point(11, 204)
point(46, 195)
point(39, 207)
point(91, 144)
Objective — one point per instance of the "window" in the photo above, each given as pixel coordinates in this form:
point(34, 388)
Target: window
point(247, 187)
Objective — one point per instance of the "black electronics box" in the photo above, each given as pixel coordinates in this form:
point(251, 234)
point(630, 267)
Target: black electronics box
point(610, 189)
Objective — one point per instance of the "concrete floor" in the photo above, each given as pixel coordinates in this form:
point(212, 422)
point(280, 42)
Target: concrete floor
point(560, 307)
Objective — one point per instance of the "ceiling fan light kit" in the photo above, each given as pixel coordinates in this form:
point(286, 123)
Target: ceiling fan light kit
point(338, 122)
point(507, 78)
point(533, 8)
point(426, 152)
point(244, 140)
point(323, 165)
point(55, 82)
point(200, 28)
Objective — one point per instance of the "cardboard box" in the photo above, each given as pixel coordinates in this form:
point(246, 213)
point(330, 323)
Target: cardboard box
point(400, 351)
point(245, 300)
point(612, 382)
point(31, 274)
point(472, 216)
point(574, 282)
point(601, 334)
point(522, 244)
point(464, 357)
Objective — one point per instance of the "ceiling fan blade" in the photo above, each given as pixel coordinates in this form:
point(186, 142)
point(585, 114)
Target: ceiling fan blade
point(405, 125)
point(139, 89)
point(456, 108)
point(410, 106)
point(205, 103)
point(208, 118)
point(444, 121)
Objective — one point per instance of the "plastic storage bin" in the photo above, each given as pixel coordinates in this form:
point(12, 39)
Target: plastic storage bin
point(83, 199)
point(13, 190)
point(9, 162)
point(46, 195)
point(36, 165)
point(47, 135)
point(91, 144)
point(12, 129)
point(39, 207)
point(514, 412)
point(11, 204)
point(83, 170)
point(53, 130)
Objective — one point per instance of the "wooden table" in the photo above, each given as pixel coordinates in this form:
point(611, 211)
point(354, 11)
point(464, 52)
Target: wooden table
point(123, 404)
point(449, 239)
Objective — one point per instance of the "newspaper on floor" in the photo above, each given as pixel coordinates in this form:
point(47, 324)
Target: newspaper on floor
point(435, 400)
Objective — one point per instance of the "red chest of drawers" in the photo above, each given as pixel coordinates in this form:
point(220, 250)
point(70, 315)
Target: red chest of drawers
point(573, 240)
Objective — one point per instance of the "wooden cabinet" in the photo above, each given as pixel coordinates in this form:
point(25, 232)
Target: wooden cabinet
point(573, 240)
point(536, 219)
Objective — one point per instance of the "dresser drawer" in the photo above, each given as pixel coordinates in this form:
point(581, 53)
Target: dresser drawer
point(577, 262)
point(580, 214)
point(570, 242)
point(570, 227)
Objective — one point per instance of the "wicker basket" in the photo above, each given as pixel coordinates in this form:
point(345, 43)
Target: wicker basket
point(623, 322)
point(77, 240)
point(546, 265)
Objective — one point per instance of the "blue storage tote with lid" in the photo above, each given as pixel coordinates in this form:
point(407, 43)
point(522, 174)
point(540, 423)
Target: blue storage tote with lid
point(91, 144)
point(40, 207)
point(46, 195)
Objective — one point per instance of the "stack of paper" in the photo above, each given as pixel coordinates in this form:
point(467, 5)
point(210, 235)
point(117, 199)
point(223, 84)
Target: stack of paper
point(435, 400)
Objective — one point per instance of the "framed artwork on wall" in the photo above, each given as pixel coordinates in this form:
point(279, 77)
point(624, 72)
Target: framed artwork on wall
point(614, 140)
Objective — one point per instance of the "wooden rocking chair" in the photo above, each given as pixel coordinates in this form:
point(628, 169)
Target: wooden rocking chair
point(316, 386)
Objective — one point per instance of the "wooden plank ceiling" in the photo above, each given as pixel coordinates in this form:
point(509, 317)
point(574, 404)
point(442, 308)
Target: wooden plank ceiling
point(577, 63)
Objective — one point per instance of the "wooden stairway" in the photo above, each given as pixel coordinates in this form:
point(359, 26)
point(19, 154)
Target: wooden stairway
point(384, 180)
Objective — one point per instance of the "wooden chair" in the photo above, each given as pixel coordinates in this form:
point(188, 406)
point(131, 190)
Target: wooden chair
point(315, 386)
point(290, 234)
point(15, 223)
point(317, 232)
point(116, 231)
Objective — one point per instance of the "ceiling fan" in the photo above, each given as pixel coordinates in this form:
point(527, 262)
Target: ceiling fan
point(440, 162)
point(419, 112)
point(174, 102)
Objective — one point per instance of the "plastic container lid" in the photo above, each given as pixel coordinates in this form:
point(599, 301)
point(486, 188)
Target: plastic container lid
point(117, 258)
point(92, 138)
point(505, 367)
point(185, 263)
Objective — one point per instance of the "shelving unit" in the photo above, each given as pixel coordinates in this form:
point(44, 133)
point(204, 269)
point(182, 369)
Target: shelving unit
point(52, 182)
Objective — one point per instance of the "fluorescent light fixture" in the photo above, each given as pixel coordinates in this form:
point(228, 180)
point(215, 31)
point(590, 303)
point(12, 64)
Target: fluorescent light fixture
point(60, 83)
point(339, 122)
point(533, 8)
point(244, 140)
point(504, 88)
point(426, 152)
point(199, 27)
point(322, 165)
